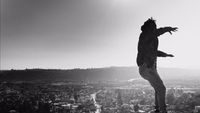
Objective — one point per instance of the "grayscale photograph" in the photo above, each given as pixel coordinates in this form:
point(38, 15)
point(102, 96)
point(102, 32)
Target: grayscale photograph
point(99, 56)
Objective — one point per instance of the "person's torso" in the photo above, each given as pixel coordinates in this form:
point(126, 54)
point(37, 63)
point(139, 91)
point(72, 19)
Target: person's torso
point(147, 49)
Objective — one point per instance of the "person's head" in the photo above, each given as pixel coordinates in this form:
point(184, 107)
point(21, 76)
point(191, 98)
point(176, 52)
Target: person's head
point(149, 25)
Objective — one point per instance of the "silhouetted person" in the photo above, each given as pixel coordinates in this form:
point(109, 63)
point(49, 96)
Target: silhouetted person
point(147, 57)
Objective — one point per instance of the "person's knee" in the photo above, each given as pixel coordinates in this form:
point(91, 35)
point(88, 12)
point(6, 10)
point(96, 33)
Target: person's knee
point(162, 88)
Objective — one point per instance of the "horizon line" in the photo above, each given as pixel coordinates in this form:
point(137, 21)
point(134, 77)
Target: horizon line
point(40, 68)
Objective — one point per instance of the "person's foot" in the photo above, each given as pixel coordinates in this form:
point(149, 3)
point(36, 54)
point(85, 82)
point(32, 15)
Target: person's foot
point(154, 111)
point(163, 112)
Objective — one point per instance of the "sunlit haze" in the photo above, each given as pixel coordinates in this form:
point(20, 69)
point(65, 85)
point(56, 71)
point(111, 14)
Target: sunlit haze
point(63, 34)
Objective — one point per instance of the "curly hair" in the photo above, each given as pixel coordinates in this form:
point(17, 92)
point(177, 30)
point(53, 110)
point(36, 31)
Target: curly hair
point(149, 25)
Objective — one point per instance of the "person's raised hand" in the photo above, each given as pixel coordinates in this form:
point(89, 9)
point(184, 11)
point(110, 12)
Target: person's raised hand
point(174, 29)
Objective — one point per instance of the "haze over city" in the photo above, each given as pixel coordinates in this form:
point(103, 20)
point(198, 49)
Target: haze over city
point(94, 33)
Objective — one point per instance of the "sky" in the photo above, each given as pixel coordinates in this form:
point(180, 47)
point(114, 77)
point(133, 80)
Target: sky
point(66, 34)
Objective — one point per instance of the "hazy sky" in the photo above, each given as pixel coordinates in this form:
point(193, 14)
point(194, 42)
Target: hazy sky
point(94, 33)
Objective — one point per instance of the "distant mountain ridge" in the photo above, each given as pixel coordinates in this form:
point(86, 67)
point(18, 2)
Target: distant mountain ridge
point(93, 74)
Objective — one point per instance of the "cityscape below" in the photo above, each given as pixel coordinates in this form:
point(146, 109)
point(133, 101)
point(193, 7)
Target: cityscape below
point(92, 95)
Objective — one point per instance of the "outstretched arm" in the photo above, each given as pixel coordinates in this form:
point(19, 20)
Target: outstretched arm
point(163, 30)
point(163, 54)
